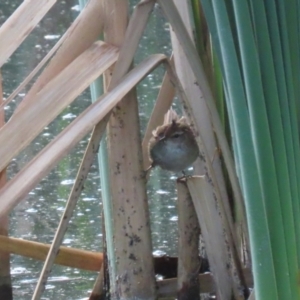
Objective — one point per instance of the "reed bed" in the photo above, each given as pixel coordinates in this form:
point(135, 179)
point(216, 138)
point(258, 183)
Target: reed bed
point(243, 196)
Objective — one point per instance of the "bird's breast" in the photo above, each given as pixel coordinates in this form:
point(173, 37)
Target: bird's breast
point(174, 156)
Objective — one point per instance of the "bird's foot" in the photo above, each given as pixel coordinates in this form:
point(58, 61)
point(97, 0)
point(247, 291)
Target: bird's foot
point(184, 177)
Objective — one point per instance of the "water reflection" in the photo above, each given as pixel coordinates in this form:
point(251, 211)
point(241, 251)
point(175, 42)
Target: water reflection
point(37, 217)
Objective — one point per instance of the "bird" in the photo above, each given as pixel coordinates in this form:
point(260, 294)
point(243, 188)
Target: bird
point(173, 146)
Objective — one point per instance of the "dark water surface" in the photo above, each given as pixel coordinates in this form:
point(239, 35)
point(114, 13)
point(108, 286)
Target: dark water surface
point(37, 217)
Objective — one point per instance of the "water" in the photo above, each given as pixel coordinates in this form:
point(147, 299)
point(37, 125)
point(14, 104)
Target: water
point(37, 217)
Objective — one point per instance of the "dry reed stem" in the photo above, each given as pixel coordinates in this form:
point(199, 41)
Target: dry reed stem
point(131, 249)
point(33, 72)
point(202, 119)
point(78, 186)
point(167, 287)
point(188, 246)
point(19, 25)
point(70, 257)
point(26, 124)
point(174, 17)
point(98, 288)
point(199, 108)
point(219, 251)
point(209, 171)
point(133, 34)
point(92, 261)
point(136, 26)
point(227, 226)
point(84, 31)
point(17, 188)
point(162, 104)
point(195, 63)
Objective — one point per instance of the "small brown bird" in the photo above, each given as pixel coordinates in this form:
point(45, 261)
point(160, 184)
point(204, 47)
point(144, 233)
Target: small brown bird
point(173, 146)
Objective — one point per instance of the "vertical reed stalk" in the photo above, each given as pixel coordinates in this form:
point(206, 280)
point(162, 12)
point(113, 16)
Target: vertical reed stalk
point(188, 246)
point(228, 282)
point(132, 238)
point(260, 66)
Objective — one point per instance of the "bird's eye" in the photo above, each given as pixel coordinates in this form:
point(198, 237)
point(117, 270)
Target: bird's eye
point(176, 135)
